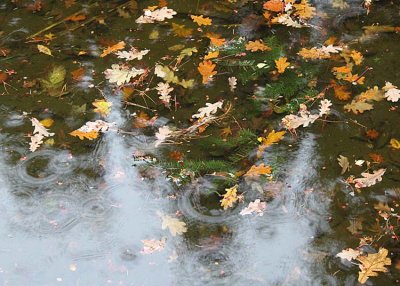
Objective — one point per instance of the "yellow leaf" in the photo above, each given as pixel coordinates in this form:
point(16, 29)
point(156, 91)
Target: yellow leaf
point(256, 171)
point(85, 135)
point(47, 122)
point(281, 64)
point(372, 264)
point(200, 20)
point(394, 143)
point(257, 45)
point(229, 198)
point(272, 138)
point(215, 39)
point(304, 10)
point(44, 50)
point(211, 55)
point(102, 107)
point(313, 54)
point(206, 69)
point(357, 57)
point(181, 30)
point(114, 48)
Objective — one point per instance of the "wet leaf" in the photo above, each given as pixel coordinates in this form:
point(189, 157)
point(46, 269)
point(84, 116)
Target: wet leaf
point(85, 135)
point(281, 64)
point(368, 179)
point(102, 107)
point(358, 106)
point(211, 108)
point(48, 122)
point(76, 18)
point(274, 6)
point(348, 254)
point(211, 55)
point(357, 57)
point(355, 226)
point(39, 133)
point(152, 245)
point(257, 45)
point(174, 225)
point(226, 132)
point(206, 69)
point(54, 82)
point(344, 163)
point(392, 93)
point(341, 92)
point(201, 20)
point(394, 143)
point(256, 171)
point(78, 73)
point(181, 30)
point(257, 207)
point(304, 10)
point(3, 77)
point(113, 49)
point(383, 207)
point(132, 54)
point(372, 264)
point(121, 74)
point(157, 15)
point(44, 50)
point(232, 81)
point(229, 198)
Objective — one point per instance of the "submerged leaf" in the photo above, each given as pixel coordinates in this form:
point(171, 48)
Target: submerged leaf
point(174, 225)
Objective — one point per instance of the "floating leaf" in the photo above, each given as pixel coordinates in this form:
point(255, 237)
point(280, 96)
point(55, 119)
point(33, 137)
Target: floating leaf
point(372, 264)
point(348, 254)
point(257, 45)
point(274, 6)
point(174, 225)
point(257, 207)
point(210, 108)
point(152, 245)
point(256, 171)
point(369, 179)
point(344, 163)
point(394, 143)
point(229, 198)
point(44, 50)
point(102, 107)
point(201, 21)
point(113, 48)
point(282, 64)
point(206, 69)
point(85, 135)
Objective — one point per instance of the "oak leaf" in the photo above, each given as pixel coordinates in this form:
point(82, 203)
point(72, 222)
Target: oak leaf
point(174, 225)
point(256, 171)
point(368, 179)
point(372, 264)
point(206, 69)
point(109, 50)
point(282, 64)
point(257, 45)
point(256, 207)
point(152, 245)
point(181, 30)
point(274, 5)
point(344, 163)
point(358, 106)
point(102, 107)
point(84, 135)
point(341, 92)
point(349, 254)
point(304, 10)
point(229, 198)
point(200, 20)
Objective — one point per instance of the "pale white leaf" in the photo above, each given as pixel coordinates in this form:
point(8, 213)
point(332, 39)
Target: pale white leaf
point(121, 74)
point(348, 254)
point(211, 108)
point(174, 225)
point(257, 207)
point(344, 163)
point(369, 179)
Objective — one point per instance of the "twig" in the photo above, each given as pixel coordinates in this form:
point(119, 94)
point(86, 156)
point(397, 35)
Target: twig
point(138, 105)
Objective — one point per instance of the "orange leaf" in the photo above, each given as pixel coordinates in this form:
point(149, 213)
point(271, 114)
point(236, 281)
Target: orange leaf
point(3, 77)
point(200, 20)
point(357, 57)
point(372, 134)
point(274, 5)
point(76, 18)
point(282, 64)
point(78, 73)
point(114, 48)
point(85, 135)
point(272, 138)
point(257, 45)
point(341, 92)
point(211, 55)
point(206, 69)
point(256, 171)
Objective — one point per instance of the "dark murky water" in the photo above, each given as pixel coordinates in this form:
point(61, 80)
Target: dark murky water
point(75, 213)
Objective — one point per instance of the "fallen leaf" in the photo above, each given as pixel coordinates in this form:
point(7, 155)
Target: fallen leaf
point(229, 198)
point(157, 15)
point(76, 18)
point(78, 73)
point(341, 92)
point(344, 163)
point(358, 106)
point(257, 45)
point(392, 93)
point(113, 48)
point(372, 264)
point(174, 225)
point(368, 179)
point(181, 30)
point(200, 20)
point(152, 245)
point(256, 171)
point(281, 64)
point(357, 57)
point(211, 55)
point(85, 135)
point(304, 10)
point(211, 108)
point(44, 50)
point(394, 143)
point(274, 5)
point(206, 69)
point(348, 254)
point(102, 107)
point(257, 207)
point(48, 122)
point(121, 74)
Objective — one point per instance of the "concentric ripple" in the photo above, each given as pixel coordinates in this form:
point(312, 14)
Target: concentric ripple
point(45, 167)
point(201, 202)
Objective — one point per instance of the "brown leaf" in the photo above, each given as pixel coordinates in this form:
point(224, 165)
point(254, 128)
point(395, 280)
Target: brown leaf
point(78, 74)
point(372, 264)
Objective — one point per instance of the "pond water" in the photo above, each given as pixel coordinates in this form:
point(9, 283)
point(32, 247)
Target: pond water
point(78, 212)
